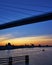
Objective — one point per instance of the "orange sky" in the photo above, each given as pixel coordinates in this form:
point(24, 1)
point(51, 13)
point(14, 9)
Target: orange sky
point(46, 39)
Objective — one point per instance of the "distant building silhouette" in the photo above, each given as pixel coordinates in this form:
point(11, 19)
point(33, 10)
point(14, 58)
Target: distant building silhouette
point(8, 46)
point(39, 45)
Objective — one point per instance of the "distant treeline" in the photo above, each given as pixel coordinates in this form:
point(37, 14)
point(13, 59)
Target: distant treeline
point(9, 46)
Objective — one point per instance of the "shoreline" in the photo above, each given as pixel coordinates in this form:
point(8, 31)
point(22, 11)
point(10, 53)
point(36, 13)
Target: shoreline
point(26, 47)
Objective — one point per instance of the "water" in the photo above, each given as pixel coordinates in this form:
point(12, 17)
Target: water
point(36, 55)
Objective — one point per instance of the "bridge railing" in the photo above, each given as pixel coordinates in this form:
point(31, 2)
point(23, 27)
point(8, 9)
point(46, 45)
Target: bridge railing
point(18, 60)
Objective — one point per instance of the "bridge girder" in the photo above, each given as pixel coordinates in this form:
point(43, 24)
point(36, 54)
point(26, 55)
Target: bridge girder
point(29, 20)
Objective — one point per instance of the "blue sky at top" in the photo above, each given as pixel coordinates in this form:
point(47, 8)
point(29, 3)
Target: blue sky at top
point(17, 9)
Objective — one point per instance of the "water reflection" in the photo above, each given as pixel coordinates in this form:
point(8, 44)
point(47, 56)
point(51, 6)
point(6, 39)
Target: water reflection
point(36, 55)
point(8, 53)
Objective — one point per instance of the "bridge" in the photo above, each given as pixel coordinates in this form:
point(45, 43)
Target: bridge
point(29, 20)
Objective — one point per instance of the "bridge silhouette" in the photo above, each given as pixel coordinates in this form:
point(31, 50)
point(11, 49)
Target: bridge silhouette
point(29, 20)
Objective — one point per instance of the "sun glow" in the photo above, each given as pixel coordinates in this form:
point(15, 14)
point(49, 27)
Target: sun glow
point(26, 40)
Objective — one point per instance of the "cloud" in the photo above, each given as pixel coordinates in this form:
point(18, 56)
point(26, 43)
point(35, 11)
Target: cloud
point(11, 36)
point(43, 39)
point(6, 37)
point(14, 36)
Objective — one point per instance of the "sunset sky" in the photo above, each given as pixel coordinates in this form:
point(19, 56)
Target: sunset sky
point(37, 33)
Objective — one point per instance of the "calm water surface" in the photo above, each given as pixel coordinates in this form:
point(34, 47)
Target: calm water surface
point(36, 55)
